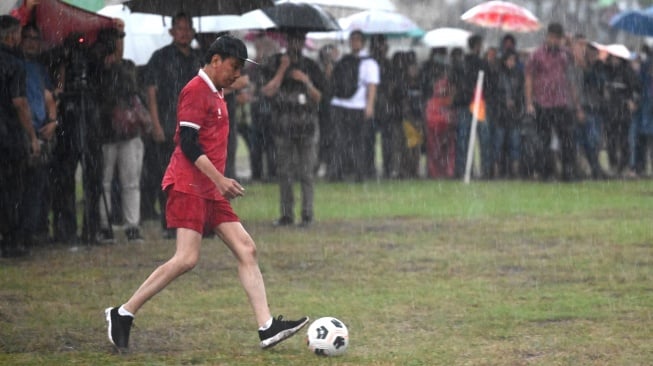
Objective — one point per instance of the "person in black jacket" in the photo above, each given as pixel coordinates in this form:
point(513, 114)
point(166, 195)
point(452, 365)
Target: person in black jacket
point(508, 100)
point(15, 127)
point(464, 77)
point(622, 96)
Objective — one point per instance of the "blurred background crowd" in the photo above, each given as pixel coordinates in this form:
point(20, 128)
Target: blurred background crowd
point(492, 91)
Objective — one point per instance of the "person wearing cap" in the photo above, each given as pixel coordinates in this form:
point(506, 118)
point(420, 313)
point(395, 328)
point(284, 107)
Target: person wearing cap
point(295, 83)
point(552, 98)
point(198, 197)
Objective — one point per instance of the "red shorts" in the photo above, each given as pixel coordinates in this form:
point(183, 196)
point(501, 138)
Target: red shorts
point(187, 211)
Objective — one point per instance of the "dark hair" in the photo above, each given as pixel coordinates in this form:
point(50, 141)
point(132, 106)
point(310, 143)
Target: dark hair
point(359, 33)
point(31, 27)
point(8, 24)
point(182, 15)
point(508, 37)
point(555, 29)
point(507, 54)
point(377, 40)
point(474, 40)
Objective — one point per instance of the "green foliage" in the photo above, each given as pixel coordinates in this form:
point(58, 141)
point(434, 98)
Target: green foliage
point(422, 273)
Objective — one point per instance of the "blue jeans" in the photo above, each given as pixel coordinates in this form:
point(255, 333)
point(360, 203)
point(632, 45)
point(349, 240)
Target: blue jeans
point(510, 136)
point(588, 138)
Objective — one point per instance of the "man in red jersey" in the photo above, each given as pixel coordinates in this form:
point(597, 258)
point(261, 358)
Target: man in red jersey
point(199, 194)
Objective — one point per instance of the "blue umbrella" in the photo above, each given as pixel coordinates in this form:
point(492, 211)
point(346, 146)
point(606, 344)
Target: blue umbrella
point(638, 22)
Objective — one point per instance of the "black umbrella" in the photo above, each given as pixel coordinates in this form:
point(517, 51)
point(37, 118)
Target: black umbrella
point(196, 7)
point(301, 17)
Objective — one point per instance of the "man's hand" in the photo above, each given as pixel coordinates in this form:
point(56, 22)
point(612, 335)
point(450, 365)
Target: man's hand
point(369, 112)
point(284, 62)
point(300, 76)
point(580, 116)
point(47, 131)
point(230, 188)
point(36, 147)
point(157, 133)
point(530, 109)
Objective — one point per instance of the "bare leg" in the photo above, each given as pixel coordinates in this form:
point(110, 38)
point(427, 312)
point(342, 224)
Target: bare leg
point(242, 246)
point(184, 259)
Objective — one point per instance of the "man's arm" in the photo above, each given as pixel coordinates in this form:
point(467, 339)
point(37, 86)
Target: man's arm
point(153, 106)
point(528, 92)
point(371, 100)
point(240, 83)
point(271, 88)
point(25, 118)
point(190, 146)
point(229, 188)
point(47, 131)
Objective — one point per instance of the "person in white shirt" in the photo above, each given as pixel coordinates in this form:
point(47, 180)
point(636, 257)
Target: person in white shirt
point(352, 117)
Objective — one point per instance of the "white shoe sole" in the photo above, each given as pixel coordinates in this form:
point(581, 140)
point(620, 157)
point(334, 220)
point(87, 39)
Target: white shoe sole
point(107, 315)
point(281, 336)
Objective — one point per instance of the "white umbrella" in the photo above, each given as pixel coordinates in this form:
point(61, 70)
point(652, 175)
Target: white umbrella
point(352, 4)
point(617, 50)
point(446, 37)
point(145, 33)
point(381, 22)
point(148, 32)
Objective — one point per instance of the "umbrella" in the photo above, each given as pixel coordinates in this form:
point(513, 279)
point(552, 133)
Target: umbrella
point(302, 17)
point(196, 7)
point(503, 15)
point(57, 20)
point(148, 32)
point(446, 37)
point(353, 4)
point(381, 22)
point(637, 22)
point(617, 50)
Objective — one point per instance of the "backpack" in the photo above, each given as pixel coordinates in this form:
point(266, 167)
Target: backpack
point(345, 76)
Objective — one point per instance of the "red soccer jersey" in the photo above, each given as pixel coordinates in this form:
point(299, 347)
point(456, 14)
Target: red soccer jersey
point(201, 106)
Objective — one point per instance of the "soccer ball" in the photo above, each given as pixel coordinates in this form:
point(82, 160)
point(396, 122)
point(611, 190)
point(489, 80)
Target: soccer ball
point(327, 336)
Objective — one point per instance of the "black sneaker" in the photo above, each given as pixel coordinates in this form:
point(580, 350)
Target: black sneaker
point(280, 330)
point(118, 328)
point(133, 235)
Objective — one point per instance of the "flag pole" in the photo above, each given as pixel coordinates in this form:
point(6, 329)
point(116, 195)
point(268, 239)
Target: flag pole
point(472, 133)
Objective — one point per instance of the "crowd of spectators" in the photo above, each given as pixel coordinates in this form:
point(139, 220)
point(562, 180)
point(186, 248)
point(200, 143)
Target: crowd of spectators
point(546, 115)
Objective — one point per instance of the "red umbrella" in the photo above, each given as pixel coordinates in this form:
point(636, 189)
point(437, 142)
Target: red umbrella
point(504, 15)
point(57, 20)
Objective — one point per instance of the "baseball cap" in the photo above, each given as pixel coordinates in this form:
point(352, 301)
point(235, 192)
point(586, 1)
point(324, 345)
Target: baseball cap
point(228, 46)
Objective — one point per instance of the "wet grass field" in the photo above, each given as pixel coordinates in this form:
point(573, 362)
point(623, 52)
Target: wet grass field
point(422, 273)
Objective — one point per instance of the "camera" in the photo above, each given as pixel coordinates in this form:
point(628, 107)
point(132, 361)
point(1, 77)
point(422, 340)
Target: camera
point(80, 57)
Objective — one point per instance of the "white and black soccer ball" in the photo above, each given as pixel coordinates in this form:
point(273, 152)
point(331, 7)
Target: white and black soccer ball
point(327, 336)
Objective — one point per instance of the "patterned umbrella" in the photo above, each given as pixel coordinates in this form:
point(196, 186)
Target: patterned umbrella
point(504, 15)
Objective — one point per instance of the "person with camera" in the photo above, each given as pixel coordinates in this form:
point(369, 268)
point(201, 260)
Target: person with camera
point(15, 130)
point(79, 140)
point(295, 84)
point(123, 119)
point(43, 107)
